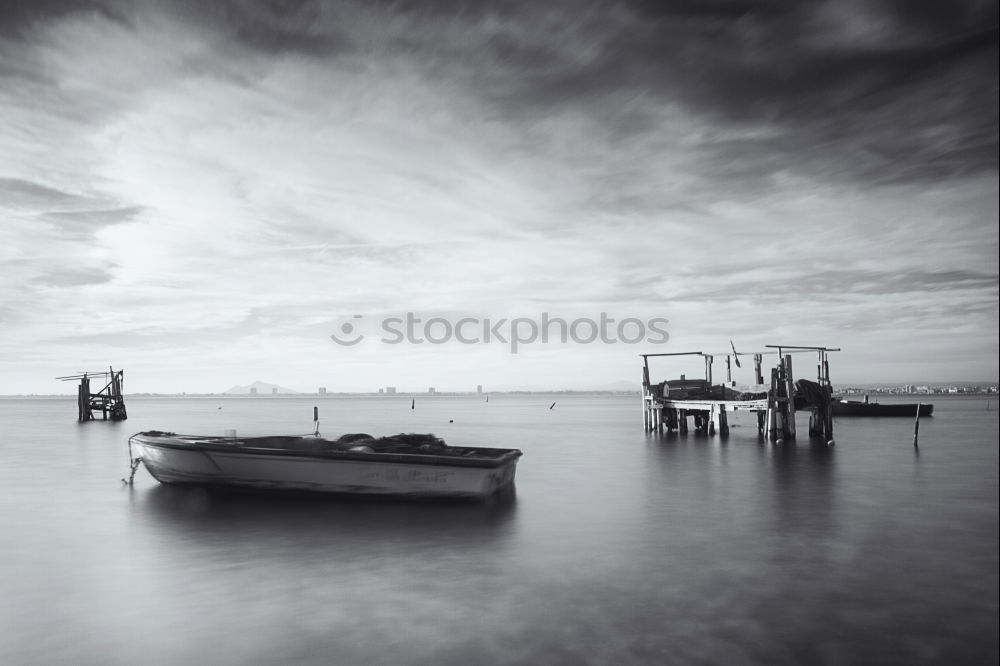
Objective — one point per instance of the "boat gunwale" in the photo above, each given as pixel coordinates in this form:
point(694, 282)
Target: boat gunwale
point(216, 445)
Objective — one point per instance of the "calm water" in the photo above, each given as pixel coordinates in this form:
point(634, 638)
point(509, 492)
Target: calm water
point(618, 548)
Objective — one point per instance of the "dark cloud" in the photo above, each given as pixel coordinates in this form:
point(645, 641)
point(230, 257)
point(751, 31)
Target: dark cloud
point(918, 103)
point(72, 277)
point(849, 284)
point(885, 91)
point(276, 26)
point(19, 17)
point(88, 221)
point(17, 192)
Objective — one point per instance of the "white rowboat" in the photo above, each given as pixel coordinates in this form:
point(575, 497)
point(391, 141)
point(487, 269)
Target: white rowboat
point(410, 465)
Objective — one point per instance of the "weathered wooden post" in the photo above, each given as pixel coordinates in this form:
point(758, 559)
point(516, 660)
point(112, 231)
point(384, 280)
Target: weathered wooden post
point(790, 397)
point(83, 400)
point(771, 417)
point(759, 379)
point(646, 425)
point(828, 410)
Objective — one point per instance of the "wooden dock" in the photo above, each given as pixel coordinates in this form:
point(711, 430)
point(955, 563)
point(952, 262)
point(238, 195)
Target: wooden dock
point(669, 404)
point(109, 400)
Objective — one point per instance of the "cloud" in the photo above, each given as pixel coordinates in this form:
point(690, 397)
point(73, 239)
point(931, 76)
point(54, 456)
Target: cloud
point(245, 173)
point(19, 193)
point(72, 278)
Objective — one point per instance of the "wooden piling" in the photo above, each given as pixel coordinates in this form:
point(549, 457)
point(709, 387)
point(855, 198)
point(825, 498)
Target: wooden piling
point(773, 407)
point(790, 397)
point(828, 416)
point(916, 427)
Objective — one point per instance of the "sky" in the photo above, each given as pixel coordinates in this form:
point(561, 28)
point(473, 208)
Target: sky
point(203, 193)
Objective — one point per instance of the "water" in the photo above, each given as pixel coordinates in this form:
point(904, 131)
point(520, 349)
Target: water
point(620, 547)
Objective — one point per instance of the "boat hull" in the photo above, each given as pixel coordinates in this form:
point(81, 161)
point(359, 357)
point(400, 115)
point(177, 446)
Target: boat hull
point(850, 408)
point(177, 462)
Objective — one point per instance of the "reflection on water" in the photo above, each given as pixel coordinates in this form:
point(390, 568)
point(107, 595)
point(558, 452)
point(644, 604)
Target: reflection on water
point(804, 486)
point(224, 513)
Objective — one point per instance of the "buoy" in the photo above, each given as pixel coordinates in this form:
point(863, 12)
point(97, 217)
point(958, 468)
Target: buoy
point(413, 404)
point(451, 420)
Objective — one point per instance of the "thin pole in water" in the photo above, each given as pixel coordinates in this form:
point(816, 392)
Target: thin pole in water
point(916, 427)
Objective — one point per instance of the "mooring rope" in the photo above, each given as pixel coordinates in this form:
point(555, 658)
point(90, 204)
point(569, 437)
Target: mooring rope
point(134, 465)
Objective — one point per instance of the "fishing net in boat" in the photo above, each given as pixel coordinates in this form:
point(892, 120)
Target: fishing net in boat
point(401, 443)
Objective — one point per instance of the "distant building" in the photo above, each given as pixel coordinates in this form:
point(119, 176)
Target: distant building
point(390, 390)
point(381, 391)
point(274, 391)
point(253, 390)
point(431, 390)
point(479, 388)
point(322, 390)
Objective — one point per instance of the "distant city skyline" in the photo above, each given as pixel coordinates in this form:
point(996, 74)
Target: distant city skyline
point(204, 193)
point(623, 386)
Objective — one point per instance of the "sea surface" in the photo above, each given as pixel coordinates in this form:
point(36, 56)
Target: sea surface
point(620, 547)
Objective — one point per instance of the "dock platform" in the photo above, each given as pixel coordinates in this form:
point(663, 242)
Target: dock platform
point(669, 404)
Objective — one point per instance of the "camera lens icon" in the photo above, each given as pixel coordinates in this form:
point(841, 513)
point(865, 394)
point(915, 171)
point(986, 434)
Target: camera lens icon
point(350, 334)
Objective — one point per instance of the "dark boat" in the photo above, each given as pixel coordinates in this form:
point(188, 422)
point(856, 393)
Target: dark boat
point(859, 408)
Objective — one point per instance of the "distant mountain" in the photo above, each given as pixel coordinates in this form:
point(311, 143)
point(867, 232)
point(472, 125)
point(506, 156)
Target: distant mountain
point(263, 388)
